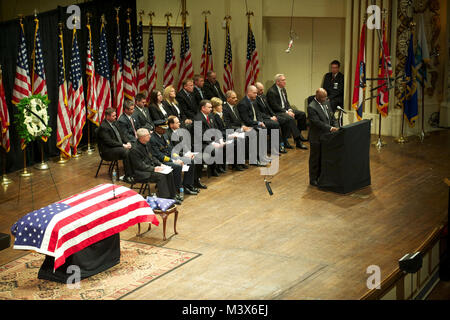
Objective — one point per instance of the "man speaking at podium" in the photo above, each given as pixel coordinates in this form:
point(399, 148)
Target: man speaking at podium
point(322, 121)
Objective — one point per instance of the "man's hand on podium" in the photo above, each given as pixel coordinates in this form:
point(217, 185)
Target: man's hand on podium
point(334, 129)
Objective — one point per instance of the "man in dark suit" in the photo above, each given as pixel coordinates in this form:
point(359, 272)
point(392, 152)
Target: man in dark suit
point(127, 124)
point(248, 112)
point(278, 101)
point(148, 168)
point(186, 99)
point(162, 149)
point(142, 113)
point(211, 88)
point(322, 121)
point(199, 93)
point(333, 83)
point(111, 144)
point(203, 120)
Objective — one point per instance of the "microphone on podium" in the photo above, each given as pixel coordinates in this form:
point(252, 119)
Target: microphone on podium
point(340, 109)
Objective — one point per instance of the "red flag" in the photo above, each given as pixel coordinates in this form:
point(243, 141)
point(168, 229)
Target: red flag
point(76, 96)
point(91, 98)
point(129, 73)
point(384, 71)
point(186, 70)
point(252, 65)
point(4, 117)
point(360, 76)
point(152, 71)
point(103, 76)
point(207, 61)
point(117, 74)
point(39, 85)
point(170, 63)
point(228, 63)
point(63, 128)
point(141, 75)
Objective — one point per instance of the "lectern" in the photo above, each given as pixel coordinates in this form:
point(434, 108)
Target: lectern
point(345, 161)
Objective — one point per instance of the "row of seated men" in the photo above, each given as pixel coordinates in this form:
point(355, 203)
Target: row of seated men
point(143, 136)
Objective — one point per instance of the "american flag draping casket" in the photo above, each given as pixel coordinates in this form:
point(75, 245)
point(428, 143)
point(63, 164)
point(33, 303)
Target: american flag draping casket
point(68, 226)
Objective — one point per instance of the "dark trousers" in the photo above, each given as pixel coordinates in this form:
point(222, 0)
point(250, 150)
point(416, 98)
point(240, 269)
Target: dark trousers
point(118, 153)
point(292, 126)
point(314, 161)
point(165, 184)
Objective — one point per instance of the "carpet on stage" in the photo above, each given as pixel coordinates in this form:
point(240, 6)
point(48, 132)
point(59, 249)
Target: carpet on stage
point(139, 265)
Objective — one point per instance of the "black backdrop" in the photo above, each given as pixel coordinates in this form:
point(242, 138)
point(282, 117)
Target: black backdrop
point(48, 23)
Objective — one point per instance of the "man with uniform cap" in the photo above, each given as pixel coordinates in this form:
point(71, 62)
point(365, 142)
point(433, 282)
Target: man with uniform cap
point(162, 149)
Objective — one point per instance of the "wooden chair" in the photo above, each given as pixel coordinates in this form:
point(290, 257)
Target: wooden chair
point(163, 215)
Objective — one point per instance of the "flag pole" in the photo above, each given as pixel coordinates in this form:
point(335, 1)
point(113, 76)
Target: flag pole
point(90, 149)
point(5, 179)
point(25, 172)
point(422, 134)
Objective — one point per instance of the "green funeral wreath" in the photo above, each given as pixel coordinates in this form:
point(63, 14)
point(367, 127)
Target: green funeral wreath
point(32, 118)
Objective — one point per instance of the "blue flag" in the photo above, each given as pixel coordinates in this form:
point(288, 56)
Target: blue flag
point(410, 94)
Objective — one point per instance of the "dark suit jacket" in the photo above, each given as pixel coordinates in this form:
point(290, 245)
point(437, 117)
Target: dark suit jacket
point(319, 123)
point(156, 112)
point(198, 96)
point(188, 104)
point(246, 112)
point(171, 110)
point(274, 100)
point(219, 123)
point(107, 138)
point(210, 91)
point(161, 148)
point(142, 161)
point(127, 128)
point(264, 109)
point(232, 120)
point(328, 84)
point(144, 119)
point(205, 126)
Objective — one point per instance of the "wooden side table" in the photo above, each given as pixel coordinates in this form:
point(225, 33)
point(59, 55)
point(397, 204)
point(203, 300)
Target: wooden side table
point(163, 215)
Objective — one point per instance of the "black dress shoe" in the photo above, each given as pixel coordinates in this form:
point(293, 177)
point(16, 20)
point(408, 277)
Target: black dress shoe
point(199, 184)
point(283, 149)
point(300, 145)
point(302, 138)
point(288, 146)
point(238, 168)
point(214, 173)
point(129, 180)
point(220, 170)
point(244, 166)
point(314, 183)
point(188, 190)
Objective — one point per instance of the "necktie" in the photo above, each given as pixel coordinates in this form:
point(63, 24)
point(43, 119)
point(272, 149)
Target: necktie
point(207, 119)
point(324, 109)
point(201, 93)
point(254, 112)
point(132, 124)
point(286, 103)
point(116, 132)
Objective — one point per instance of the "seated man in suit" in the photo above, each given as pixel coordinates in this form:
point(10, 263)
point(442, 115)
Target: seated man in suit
point(277, 99)
point(111, 144)
point(142, 113)
point(333, 83)
point(322, 121)
point(211, 87)
point(251, 117)
point(148, 168)
point(127, 124)
point(199, 93)
point(183, 149)
point(162, 150)
point(205, 119)
point(186, 99)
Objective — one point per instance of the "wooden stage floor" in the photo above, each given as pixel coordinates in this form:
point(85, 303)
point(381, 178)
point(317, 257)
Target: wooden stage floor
point(300, 243)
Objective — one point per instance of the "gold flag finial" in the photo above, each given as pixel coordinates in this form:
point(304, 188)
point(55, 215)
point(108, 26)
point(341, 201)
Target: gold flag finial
point(168, 15)
point(88, 16)
point(206, 13)
point(103, 19)
point(151, 14)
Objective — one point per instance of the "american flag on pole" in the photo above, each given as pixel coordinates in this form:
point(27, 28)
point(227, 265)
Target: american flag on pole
point(169, 63)
point(68, 226)
point(186, 70)
point(103, 77)
point(39, 85)
point(117, 75)
point(129, 75)
point(384, 71)
point(141, 75)
point(22, 83)
point(152, 71)
point(228, 63)
point(207, 61)
point(76, 96)
point(360, 76)
point(63, 127)
point(91, 99)
point(252, 65)
point(4, 117)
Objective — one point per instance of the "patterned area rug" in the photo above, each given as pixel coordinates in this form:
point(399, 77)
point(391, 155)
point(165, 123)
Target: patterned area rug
point(139, 265)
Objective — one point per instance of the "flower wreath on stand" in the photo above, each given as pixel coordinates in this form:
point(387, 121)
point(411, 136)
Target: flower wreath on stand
point(32, 118)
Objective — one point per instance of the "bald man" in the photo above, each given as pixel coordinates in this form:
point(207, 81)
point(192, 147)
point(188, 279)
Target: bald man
point(322, 121)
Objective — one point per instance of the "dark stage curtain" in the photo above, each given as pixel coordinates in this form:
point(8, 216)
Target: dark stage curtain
point(48, 23)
